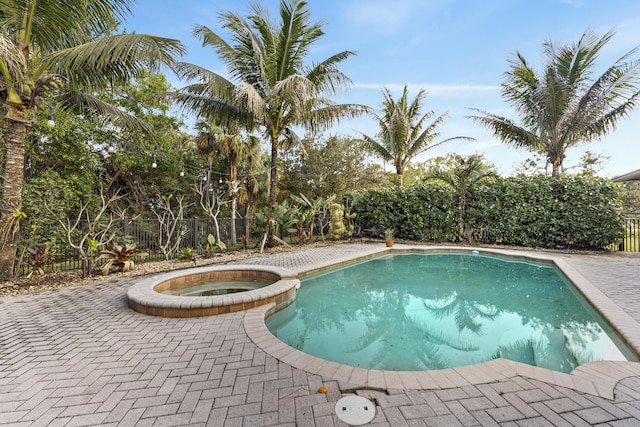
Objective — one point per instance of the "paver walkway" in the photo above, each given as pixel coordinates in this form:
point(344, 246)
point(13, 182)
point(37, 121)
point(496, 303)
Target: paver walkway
point(79, 356)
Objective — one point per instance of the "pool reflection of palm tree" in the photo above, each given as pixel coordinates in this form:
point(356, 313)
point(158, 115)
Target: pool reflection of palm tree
point(549, 349)
point(464, 311)
point(389, 334)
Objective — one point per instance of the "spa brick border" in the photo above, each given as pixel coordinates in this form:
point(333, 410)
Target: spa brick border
point(146, 297)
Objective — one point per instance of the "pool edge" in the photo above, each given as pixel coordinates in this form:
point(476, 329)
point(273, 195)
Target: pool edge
point(595, 378)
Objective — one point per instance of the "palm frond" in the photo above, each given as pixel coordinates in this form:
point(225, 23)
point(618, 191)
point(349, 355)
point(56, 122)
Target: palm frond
point(249, 100)
point(13, 65)
point(612, 96)
point(328, 79)
point(508, 131)
point(194, 100)
point(320, 119)
point(100, 63)
point(376, 147)
point(193, 72)
point(98, 110)
point(55, 25)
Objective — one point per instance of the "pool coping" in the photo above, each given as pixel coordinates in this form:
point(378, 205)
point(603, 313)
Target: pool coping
point(596, 378)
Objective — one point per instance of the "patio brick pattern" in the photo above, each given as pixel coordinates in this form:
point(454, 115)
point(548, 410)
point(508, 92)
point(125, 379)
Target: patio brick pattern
point(80, 356)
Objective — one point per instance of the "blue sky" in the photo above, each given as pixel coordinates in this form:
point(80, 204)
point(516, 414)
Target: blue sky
point(456, 49)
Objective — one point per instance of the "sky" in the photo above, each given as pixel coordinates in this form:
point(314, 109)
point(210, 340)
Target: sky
point(458, 50)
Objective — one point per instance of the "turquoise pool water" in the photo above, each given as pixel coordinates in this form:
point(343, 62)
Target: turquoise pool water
point(423, 311)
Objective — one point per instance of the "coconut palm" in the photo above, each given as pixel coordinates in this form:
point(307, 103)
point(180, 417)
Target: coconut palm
point(59, 49)
point(270, 85)
point(403, 134)
point(235, 147)
point(563, 105)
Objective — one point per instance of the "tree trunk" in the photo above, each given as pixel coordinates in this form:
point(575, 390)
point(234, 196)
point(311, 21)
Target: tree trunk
point(399, 182)
point(272, 191)
point(234, 215)
point(248, 214)
point(13, 182)
point(234, 200)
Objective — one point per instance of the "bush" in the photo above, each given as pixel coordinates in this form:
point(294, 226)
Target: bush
point(579, 211)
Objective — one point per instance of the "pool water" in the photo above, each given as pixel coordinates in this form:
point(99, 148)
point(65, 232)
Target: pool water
point(217, 287)
point(418, 311)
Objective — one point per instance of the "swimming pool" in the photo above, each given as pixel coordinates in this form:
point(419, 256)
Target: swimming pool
point(425, 311)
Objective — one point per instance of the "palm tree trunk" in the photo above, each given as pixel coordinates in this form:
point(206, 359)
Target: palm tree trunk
point(272, 191)
point(399, 182)
point(12, 185)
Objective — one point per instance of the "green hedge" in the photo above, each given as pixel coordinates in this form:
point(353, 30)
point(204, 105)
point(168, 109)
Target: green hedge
point(580, 211)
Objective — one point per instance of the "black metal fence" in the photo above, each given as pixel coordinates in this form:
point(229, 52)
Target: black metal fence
point(631, 240)
point(193, 233)
point(146, 233)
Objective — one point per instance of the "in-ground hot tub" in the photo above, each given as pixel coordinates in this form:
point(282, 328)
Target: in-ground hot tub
point(158, 295)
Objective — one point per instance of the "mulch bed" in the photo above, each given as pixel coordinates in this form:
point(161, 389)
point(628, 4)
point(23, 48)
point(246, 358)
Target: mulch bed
point(25, 285)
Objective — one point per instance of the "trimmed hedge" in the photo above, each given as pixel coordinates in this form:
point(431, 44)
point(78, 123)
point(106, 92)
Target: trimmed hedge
point(580, 211)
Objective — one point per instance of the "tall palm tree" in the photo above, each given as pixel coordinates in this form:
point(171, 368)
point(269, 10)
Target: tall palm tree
point(60, 49)
point(235, 147)
point(270, 85)
point(403, 134)
point(563, 106)
point(465, 173)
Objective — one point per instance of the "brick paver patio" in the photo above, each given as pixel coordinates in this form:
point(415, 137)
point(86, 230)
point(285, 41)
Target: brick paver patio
point(80, 356)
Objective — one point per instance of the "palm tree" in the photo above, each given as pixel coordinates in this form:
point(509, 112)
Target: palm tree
point(462, 177)
point(236, 148)
point(60, 49)
point(401, 136)
point(563, 106)
point(274, 89)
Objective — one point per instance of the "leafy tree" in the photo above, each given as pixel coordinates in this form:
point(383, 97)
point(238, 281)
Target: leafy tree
point(62, 48)
point(402, 134)
point(272, 86)
point(129, 156)
point(462, 177)
point(328, 167)
point(630, 194)
point(563, 106)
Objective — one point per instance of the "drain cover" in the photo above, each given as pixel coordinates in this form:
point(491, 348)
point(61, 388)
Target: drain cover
point(355, 410)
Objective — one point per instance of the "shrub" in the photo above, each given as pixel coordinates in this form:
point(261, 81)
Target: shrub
point(119, 256)
point(580, 211)
point(186, 254)
point(38, 258)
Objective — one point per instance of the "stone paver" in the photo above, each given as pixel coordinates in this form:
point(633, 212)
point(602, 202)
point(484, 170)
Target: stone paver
point(81, 356)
